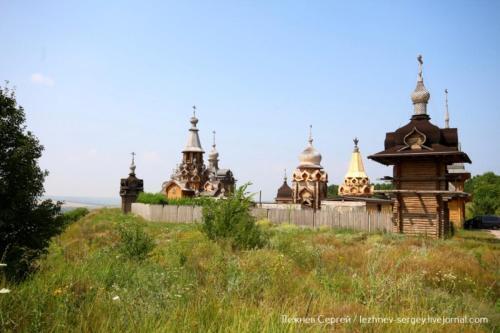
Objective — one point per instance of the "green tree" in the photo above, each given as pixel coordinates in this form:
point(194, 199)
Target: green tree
point(485, 190)
point(332, 191)
point(26, 222)
point(384, 186)
point(381, 187)
point(230, 219)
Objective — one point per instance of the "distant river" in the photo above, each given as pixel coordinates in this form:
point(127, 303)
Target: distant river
point(72, 202)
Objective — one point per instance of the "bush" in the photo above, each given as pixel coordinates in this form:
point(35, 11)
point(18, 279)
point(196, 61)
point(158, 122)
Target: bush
point(230, 219)
point(135, 242)
point(198, 201)
point(152, 198)
point(75, 214)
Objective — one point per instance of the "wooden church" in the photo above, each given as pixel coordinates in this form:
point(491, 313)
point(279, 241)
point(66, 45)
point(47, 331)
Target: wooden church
point(420, 153)
point(191, 177)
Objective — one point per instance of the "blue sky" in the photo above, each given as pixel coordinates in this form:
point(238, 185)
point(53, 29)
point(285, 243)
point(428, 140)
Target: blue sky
point(99, 79)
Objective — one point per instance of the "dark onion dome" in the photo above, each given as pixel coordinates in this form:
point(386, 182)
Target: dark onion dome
point(284, 191)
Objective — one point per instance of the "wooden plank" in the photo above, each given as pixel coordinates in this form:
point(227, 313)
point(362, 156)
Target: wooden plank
point(185, 214)
point(259, 213)
point(197, 214)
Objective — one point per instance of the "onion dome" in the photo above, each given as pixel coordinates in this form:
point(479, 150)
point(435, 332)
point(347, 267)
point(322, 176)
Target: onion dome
point(214, 154)
point(310, 157)
point(193, 144)
point(285, 191)
point(420, 96)
point(213, 157)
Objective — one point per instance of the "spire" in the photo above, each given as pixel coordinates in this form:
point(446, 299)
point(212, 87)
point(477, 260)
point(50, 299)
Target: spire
point(193, 143)
point(356, 182)
point(446, 113)
point(420, 96)
point(284, 177)
point(132, 165)
point(356, 167)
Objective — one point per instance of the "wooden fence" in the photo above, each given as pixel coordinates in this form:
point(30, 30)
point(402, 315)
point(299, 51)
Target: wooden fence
point(357, 220)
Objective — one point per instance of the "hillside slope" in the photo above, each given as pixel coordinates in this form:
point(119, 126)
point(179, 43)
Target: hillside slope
point(190, 284)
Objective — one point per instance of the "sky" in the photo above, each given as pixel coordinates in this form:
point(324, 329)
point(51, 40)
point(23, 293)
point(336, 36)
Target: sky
point(100, 79)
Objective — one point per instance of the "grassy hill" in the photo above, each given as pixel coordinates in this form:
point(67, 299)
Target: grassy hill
point(191, 284)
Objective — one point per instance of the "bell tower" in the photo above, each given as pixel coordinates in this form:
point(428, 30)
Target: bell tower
point(420, 153)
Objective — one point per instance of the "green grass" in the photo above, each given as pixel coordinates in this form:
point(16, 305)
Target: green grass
point(189, 283)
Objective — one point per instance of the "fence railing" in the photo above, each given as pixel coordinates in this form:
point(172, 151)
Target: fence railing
point(357, 220)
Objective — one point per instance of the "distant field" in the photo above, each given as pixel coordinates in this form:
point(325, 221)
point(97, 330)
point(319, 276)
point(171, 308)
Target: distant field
point(191, 284)
point(72, 202)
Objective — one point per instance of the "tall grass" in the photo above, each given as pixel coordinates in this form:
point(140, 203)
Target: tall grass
point(189, 283)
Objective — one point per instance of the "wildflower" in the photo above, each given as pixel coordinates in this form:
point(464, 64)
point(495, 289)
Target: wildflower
point(116, 298)
point(58, 291)
point(178, 295)
point(4, 291)
point(3, 265)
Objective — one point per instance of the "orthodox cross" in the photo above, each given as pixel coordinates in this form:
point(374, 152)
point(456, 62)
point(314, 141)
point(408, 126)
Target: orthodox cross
point(446, 115)
point(420, 63)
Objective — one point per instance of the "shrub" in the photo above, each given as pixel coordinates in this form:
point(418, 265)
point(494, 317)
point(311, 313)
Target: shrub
point(75, 214)
point(135, 242)
point(230, 219)
point(152, 198)
point(199, 201)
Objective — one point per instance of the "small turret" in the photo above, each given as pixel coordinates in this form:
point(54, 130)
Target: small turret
point(130, 188)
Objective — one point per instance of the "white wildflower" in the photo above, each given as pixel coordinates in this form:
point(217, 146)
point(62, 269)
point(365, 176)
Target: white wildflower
point(3, 265)
point(4, 291)
point(116, 298)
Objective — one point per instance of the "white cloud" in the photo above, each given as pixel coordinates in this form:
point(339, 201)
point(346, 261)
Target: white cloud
point(39, 78)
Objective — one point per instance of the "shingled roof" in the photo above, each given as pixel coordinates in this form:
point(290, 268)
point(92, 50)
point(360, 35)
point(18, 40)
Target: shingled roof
point(435, 141)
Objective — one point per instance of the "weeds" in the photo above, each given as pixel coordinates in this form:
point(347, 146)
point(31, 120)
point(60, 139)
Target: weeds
point(135, 242)
point(230, 219)
point(189, 283)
